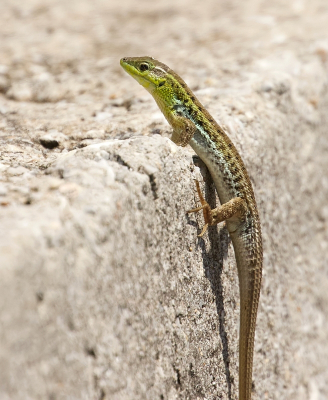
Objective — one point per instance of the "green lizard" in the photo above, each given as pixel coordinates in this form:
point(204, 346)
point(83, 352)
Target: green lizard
point(193, 125)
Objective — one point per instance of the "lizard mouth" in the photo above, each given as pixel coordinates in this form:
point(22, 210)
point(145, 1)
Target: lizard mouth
point(136, 74)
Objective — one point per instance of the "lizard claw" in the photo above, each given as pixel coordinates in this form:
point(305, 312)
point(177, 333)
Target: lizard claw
point(205, 227)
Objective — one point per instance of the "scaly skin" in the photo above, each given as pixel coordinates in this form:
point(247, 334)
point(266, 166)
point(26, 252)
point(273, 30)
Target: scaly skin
point(193, 125)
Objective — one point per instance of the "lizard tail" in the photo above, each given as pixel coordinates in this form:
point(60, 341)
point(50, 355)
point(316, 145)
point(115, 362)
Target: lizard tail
point(249, 295)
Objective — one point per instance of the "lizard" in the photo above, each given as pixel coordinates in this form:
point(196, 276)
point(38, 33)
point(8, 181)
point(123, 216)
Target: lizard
point(192, 124)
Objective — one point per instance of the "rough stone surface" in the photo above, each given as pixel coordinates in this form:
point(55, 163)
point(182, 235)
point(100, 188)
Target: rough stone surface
point(105, 290)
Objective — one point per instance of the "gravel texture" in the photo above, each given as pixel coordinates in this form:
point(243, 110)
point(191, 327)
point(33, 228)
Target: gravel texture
point(105, 290)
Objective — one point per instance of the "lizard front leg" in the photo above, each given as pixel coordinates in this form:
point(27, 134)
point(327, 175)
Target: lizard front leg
point(183, 129)
point(235, 208)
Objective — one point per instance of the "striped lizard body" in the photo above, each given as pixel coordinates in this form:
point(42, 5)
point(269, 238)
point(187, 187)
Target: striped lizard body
point(193, 125)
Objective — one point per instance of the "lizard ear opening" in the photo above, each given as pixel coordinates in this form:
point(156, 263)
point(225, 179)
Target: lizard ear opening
point(161, 83)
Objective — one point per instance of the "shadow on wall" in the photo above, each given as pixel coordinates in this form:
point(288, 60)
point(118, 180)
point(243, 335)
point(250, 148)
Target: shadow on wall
point(213, 265)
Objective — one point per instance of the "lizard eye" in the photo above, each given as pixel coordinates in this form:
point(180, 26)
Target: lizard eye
point(144, 67)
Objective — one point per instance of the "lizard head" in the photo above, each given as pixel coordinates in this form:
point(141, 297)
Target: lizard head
point(149, 72)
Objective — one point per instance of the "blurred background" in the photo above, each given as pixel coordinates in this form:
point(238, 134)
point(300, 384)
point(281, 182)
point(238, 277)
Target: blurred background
point(76, 45)
point(56, 51)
